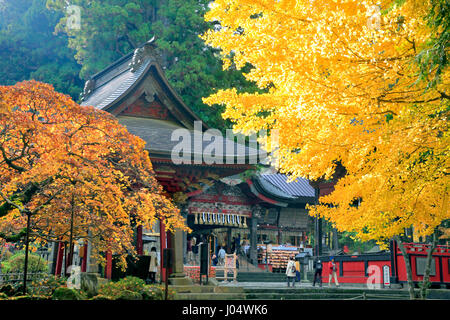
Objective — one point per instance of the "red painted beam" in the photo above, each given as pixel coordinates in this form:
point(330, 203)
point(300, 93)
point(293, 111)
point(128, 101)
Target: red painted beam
point(108, 266)
point(162, 245)
point(139, 243)
point(59, 259)
point(84, 262)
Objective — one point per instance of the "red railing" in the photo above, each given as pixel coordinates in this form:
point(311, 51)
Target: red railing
point(422, 248)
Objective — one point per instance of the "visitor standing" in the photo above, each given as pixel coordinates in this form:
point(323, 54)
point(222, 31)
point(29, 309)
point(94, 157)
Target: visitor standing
point(214, 260)
point(332, 268)
point(190, 254)
point(221, 256)
point(153, 267)
point(318, 272)
point(297, 271)
point(290, 272)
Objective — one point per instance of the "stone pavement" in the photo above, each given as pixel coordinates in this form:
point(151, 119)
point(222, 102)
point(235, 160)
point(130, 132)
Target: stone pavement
point(302, 291)
point(278, 285)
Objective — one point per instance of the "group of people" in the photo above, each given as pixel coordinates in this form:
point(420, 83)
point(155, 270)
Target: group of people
point(293, 272)
point(219, 258)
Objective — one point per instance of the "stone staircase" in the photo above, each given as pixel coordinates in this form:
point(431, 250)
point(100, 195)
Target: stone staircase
point(246, 266)
point(248, 272)
point(261, 277)
point(240, 293)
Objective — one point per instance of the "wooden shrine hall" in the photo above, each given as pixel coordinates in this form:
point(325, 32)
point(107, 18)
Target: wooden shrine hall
point(210, 194)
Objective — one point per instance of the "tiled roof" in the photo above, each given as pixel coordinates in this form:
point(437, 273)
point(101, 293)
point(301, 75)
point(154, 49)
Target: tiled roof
point(113, 83)
point(300, 187)
point(158, 135)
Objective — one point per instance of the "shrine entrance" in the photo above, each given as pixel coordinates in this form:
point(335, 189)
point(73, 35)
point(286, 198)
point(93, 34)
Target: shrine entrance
point(213, 215)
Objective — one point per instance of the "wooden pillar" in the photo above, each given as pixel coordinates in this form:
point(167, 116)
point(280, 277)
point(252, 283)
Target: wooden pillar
point(253, 240)
point(139, 242)
point(318, 228)
point(162, 245)
point(108, 267)
point(69, 256)
point(54, 257)
point(84, 261)
point(59, 259)
point(318, 236)
point(229, 240)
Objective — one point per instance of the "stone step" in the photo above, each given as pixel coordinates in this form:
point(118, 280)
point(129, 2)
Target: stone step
point(239, 293)
point(209, 296)
point(285, 289)
point(290, 296)
point(260, 277)
point(207, 289)
point(322, 295)
point(192, 289)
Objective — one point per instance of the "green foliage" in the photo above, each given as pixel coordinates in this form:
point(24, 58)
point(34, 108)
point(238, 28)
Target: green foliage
point(116, 27)
point(129, 295)
point(3, 296)
point(156, 293)
point(46, 287)
point(114, 289)
point(16, 262)
point(28, 297)
point(64, 293)
point(36, 43)
point(353, 244)
point(7, 290)
point(194, 69)
point(101, 297)
point(131, 288)
point(434, 57)
point(30, 50)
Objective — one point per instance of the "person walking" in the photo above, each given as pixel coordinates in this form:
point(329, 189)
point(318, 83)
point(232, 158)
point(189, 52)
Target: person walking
point(221, 256)
point(332, 268)
point(317, 272)
point(153, 267)
point(297, 271)
point(214, 260)
point(290, 272)
point(190, 254)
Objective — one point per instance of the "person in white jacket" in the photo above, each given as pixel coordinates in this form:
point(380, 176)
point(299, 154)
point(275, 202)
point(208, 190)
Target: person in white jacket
point(290, 272)
point(153, 267)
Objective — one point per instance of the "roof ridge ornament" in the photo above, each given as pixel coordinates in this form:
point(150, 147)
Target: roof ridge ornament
point(145, 51)
point(89, 86)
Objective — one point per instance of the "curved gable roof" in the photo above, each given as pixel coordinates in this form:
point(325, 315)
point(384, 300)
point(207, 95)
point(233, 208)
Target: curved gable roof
point(106, 89)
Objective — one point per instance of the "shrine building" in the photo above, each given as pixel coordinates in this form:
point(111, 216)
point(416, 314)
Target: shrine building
point(221, 204)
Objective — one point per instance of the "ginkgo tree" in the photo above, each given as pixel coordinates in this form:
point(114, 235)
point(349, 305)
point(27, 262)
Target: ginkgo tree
point(75, 172)
point(346, 87)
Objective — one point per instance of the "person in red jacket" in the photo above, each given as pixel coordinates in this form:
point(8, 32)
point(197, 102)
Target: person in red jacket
point(332, 268)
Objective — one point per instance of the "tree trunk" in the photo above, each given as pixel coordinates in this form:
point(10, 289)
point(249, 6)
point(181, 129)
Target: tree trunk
point(426, 276)
point(335, 239)
point(27, 242)
point(70, 252)
point(412, 294)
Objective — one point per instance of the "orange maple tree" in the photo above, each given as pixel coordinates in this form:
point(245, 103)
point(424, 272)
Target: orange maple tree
point(76, 171)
